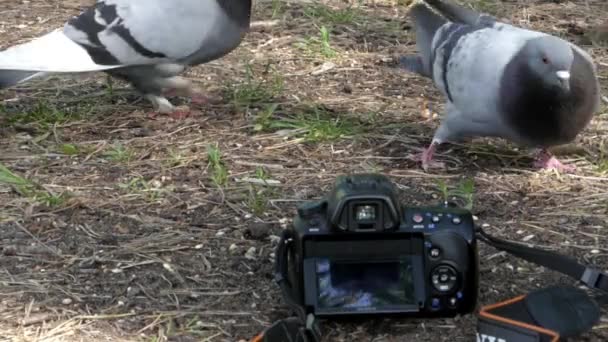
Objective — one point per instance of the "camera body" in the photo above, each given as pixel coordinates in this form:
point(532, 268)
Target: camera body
point(359, 252)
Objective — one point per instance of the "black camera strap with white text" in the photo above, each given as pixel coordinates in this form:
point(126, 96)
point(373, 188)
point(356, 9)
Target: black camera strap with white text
point(547, 315)
point(550, 314)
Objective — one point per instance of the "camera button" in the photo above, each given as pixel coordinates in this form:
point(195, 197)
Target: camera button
point(456, 220)
point(435, 219)
point(434, 252)
point(444, 278)
point(435, 303)
point(453, 302)
point(418, 218)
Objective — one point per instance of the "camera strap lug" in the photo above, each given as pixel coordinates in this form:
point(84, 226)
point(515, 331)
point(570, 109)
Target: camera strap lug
point(593, 278)
point(312, 327)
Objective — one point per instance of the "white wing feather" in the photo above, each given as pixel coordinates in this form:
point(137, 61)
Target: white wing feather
point(53, 52)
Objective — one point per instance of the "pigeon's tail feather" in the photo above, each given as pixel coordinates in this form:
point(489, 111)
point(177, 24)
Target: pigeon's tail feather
point(53, 52)
point(455, 12)
point(9, 78)
point(427, 23)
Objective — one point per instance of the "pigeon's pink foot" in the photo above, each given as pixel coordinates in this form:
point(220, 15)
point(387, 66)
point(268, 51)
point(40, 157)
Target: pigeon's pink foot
point(180, 114)
point(199, 99)
point(426, 157)
point(196, 97)
point(545, 160)
point(177, 115)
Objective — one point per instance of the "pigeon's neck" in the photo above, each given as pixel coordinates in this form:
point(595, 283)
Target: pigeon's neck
point(539, 113)
point(237, 10)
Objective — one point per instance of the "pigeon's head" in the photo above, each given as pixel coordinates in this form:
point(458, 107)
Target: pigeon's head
point(550, 58)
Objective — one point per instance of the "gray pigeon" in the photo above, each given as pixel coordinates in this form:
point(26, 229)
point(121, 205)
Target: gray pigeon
point(148, 43)
point(502, 81)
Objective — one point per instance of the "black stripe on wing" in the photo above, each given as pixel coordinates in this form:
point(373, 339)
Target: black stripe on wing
point(87, 23)
point(448, 41)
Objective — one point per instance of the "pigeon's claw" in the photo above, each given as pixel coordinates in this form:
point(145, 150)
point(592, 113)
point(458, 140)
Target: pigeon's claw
point(197, 96)
point(427, 158)
point(545, 160)
point(163, 106)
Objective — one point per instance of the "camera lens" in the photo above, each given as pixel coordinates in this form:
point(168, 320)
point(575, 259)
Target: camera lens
point(365, 212)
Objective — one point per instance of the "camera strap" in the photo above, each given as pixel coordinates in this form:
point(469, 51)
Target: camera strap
point(592, 278)
point(545, 315)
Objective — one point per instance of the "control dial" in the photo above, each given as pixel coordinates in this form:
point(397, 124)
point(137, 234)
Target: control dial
point(444, 278)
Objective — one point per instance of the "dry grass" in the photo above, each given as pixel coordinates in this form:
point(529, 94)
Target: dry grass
point(120, 227)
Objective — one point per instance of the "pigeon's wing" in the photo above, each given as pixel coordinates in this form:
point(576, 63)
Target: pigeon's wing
point(585, 76)
point(585, 56)
point(427, 25)
point(436, 37)
point(136, 32)
point(460, 14)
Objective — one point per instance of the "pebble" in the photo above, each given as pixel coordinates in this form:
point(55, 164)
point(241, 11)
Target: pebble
point(233, 247)
point(258, 230)
point(10, 251)
point(274, 239)
point(66, 301)
point(168, 267)
point(250, 254)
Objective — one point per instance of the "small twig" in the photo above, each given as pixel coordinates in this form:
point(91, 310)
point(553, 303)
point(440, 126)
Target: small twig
point(36, 239)
point(270, 182)
point(269, 166)
point(105, 317)
point(264, 23)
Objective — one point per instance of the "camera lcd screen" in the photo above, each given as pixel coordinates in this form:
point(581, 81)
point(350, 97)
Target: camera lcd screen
point(357, 286)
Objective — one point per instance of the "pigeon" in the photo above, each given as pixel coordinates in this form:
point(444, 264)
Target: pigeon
point(147, 43)
point(502, 81)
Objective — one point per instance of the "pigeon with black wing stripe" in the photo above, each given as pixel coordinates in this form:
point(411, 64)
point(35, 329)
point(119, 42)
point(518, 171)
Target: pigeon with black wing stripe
point(503, 81)
point(148, 43)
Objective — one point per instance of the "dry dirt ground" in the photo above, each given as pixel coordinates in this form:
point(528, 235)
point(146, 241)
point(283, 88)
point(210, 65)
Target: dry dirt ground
point(122, 227)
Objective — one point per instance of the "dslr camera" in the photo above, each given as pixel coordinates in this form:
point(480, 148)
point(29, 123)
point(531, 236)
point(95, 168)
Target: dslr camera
point(359, 251)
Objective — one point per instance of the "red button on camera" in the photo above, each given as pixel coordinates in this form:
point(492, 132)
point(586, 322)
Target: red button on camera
point(418, 218)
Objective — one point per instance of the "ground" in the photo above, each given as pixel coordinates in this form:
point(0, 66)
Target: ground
point(115, 226)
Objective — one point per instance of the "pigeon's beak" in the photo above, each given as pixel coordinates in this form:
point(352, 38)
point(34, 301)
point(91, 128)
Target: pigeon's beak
point(564, 79)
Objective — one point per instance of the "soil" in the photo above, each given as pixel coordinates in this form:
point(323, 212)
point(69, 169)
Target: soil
point(129, 235)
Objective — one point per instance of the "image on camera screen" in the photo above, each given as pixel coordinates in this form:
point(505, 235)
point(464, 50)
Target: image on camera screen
point(364, 285)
